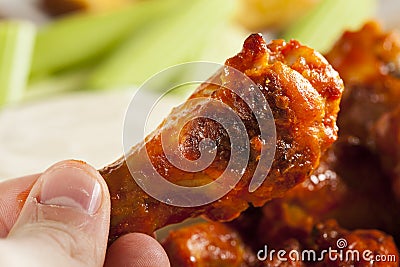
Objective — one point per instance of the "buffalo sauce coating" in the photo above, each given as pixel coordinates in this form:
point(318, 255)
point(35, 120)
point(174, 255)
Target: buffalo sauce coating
point(368, 62)
point(303, 92)
point(349, 186)
point(207, 244)
point(216, 244)
point(375, 247)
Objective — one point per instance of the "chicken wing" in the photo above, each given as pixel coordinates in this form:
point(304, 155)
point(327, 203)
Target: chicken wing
point(303, 92)
point(351, 186)
point(215, 244)
point(374, 247)
point(209, 244)
point(368, 60)
point(348, 186)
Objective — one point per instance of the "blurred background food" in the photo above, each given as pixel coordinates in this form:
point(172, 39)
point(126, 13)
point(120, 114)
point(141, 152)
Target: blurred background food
point(256, 14)
point(69, 67)
point(60, 7)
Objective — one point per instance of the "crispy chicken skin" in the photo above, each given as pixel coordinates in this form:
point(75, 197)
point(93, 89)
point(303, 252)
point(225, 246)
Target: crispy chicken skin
point(303, 92)
point(215, 244)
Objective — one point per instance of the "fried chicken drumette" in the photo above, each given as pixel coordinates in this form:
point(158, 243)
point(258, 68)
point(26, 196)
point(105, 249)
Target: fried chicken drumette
point(303, 92)
point(354, 183)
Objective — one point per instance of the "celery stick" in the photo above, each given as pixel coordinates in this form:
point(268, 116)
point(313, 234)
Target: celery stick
point(83, 37)
point(173, 40)
point(324, 24)
point(16, 45)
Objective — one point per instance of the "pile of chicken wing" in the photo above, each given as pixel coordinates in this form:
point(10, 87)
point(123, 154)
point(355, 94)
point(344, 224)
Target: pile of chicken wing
point(317, 192)
point(353, 194)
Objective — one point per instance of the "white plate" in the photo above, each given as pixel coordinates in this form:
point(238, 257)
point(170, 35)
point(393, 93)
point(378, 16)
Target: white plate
point(83, 126)
point(86, 126)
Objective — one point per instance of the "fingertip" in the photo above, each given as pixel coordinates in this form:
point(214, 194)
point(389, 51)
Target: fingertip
point(90, 170)
point(136, 250)
point(74, 182)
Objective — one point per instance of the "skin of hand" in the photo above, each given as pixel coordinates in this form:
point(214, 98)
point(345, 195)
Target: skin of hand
point(65, 221)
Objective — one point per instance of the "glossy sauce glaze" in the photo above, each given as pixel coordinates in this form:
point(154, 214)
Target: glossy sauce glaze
point(303, 92)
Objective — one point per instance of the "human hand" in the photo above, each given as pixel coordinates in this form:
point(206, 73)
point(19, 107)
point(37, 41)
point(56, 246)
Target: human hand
point(65, 222)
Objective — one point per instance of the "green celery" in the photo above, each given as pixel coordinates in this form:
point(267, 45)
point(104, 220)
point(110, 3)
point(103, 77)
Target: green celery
point(178, 38)
point(80, 38)
point(324, 24)
point(16, 45)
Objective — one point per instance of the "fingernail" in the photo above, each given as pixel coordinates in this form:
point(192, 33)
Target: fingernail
point(71, 184)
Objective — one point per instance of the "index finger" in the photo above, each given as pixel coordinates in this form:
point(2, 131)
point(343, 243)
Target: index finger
point(12, 198)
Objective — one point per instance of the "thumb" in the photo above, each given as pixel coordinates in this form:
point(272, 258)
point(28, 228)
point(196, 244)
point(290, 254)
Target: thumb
point(64, 221)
